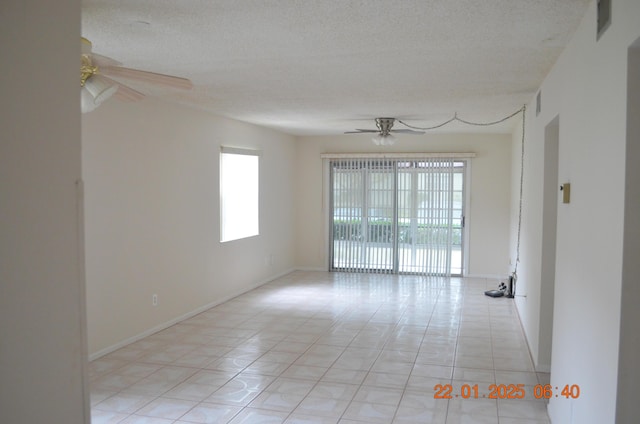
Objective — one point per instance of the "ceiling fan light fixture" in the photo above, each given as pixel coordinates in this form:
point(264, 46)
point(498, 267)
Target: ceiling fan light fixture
point(87, 104)
point(383, 140)
point(100, 88)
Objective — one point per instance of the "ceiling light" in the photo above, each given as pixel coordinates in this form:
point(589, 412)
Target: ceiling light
point(94, 91)
point(100, 88)
point(86, 101)
point(383, 140)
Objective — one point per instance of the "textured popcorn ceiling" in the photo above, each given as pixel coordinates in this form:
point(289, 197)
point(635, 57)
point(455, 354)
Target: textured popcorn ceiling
point(324, 67)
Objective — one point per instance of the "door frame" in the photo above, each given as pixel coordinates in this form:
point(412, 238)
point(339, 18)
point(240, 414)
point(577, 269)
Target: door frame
point(327, 185)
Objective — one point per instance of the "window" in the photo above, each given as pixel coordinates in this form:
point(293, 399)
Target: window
point(239, 193)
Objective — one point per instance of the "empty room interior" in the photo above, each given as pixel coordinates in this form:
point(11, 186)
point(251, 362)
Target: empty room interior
point(290, 212)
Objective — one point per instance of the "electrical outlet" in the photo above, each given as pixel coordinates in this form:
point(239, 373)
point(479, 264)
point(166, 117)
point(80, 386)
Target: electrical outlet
point(154, 300)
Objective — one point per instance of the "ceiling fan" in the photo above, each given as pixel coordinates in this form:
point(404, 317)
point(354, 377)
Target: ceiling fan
point(384, 136)
point(97, 83)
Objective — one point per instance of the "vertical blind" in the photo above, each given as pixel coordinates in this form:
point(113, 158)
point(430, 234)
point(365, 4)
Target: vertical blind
point(363, 210)
point(394, 215)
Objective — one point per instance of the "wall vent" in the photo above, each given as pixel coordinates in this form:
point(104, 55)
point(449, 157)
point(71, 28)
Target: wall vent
point(538, 103)
point(604, 16)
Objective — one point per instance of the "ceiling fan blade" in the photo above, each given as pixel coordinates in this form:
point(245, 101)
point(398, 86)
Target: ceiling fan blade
point(404, 131)
point(146, 76)
point(124, 93)
point(85, 46)
point(128, 94)
point(101, 61)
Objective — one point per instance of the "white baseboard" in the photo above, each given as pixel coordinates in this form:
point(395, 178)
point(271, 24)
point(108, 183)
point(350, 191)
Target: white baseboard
point(181, 318)
point(539, 367)
point(312, 269)
point(485, 276)
point(488, 276)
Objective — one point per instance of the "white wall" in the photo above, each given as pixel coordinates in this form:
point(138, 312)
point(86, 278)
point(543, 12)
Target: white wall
point(42, 343)
point(151, 175)
point(587, 90)
point(535, 304)
point(489, 209)
point(628, 371)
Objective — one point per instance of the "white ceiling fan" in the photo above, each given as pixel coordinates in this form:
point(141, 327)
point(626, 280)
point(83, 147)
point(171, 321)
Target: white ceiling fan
point(384, 133)
point(97, 83)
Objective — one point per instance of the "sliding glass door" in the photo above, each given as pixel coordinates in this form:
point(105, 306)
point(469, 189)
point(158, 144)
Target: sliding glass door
point(363, 213)
point(397, 216)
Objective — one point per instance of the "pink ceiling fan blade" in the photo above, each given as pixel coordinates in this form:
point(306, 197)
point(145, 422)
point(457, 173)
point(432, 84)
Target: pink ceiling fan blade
point(124, 93)
point(146, 76)
point(406, 131)
point(360, 131)
point(102, 61)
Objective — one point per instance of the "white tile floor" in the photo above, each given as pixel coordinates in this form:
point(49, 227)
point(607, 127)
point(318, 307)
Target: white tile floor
point(315, 347)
